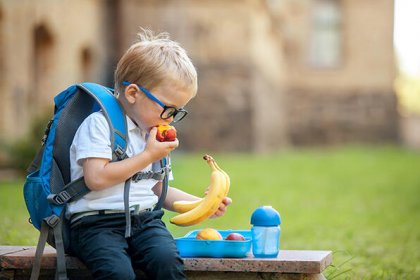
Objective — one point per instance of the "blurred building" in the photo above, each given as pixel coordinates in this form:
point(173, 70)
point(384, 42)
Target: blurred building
point(341, 69)
point(271, 73)
point(45, 46)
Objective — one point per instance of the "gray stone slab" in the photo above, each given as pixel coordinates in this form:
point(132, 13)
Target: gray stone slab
point(288, 261)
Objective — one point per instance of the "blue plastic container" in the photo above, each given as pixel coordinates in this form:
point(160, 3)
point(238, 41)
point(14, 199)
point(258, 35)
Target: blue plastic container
point(188, 246)
point(265, 232)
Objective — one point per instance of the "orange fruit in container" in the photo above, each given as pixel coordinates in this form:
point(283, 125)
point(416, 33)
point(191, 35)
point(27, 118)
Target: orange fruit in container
point(209, 234)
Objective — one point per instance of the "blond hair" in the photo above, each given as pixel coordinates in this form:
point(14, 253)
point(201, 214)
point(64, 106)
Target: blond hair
point(152, 59)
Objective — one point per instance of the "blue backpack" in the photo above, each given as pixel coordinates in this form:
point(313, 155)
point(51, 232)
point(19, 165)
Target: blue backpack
point(48, 187)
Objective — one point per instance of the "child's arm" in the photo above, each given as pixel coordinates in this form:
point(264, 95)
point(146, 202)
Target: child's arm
point(175, 194)
point(101, 173)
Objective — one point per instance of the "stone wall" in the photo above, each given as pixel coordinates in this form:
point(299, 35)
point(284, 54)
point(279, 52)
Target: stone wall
point(239, 65)
point(257, 91)
point(220, 117)
point(324, 118)
point(46, 46)
point(354, 101)
point(365, 31)
point(410, 130)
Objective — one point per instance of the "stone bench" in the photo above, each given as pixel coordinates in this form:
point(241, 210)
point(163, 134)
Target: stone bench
point(16, 263)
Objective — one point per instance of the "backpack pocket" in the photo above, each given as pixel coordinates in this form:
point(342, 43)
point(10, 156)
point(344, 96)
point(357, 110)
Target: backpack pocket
point(35, 194)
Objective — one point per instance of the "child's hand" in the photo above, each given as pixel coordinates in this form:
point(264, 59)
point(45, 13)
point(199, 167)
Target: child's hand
point(156, 149)
point(222, 207)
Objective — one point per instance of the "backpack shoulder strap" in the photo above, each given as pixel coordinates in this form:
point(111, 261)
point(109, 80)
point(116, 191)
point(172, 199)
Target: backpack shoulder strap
point(114, 114)
point(117, 122)
point(165, 165)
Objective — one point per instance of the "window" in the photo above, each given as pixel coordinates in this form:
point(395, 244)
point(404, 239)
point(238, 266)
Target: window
point(325, 43)
point(42, 66)
point(86, 61)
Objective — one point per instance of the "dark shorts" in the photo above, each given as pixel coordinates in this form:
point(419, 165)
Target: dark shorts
point(100, 243)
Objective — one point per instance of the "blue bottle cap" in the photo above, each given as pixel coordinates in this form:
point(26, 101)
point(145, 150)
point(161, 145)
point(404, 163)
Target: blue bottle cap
point(265, 216)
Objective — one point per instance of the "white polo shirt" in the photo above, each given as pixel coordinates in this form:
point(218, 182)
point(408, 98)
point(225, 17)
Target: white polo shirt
point(92, 139)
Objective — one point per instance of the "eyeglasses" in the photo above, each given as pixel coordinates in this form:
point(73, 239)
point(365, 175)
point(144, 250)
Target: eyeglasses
point(168, 111)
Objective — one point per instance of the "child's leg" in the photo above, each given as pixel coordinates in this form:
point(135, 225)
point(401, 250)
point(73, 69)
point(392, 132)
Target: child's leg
point(99, 242)
point(153, 248)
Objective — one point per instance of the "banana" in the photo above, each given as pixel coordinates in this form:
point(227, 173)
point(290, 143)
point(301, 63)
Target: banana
point(227, 177)
point(182, 206)
point(201, 210)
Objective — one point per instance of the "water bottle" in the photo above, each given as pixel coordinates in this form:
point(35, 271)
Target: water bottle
point(265, 232)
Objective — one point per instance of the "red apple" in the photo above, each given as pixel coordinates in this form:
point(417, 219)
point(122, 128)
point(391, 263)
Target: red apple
point(165, 133)
point(235, 236)
point(159, 136)
point(170, 134)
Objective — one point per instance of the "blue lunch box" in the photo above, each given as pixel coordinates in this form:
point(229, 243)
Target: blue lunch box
point(189, 246)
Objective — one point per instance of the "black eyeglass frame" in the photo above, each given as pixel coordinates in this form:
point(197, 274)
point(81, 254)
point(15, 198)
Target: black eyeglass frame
point(173, 111)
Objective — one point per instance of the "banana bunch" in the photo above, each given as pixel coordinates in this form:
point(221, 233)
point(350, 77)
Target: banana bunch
point(194, 212)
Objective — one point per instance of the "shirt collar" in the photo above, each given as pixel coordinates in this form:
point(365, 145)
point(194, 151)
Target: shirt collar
point(130, 124)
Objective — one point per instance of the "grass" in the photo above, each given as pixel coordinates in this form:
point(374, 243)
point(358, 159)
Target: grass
point(360, 202)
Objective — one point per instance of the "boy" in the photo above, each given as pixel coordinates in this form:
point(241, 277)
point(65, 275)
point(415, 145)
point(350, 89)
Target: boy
point(154, 80)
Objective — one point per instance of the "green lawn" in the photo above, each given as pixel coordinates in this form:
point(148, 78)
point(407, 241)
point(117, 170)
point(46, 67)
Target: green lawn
point(360, 202)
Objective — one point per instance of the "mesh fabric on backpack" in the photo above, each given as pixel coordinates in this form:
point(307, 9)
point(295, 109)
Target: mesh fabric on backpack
point(66, 128)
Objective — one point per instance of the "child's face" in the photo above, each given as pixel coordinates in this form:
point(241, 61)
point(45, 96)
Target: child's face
point(147, 112)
